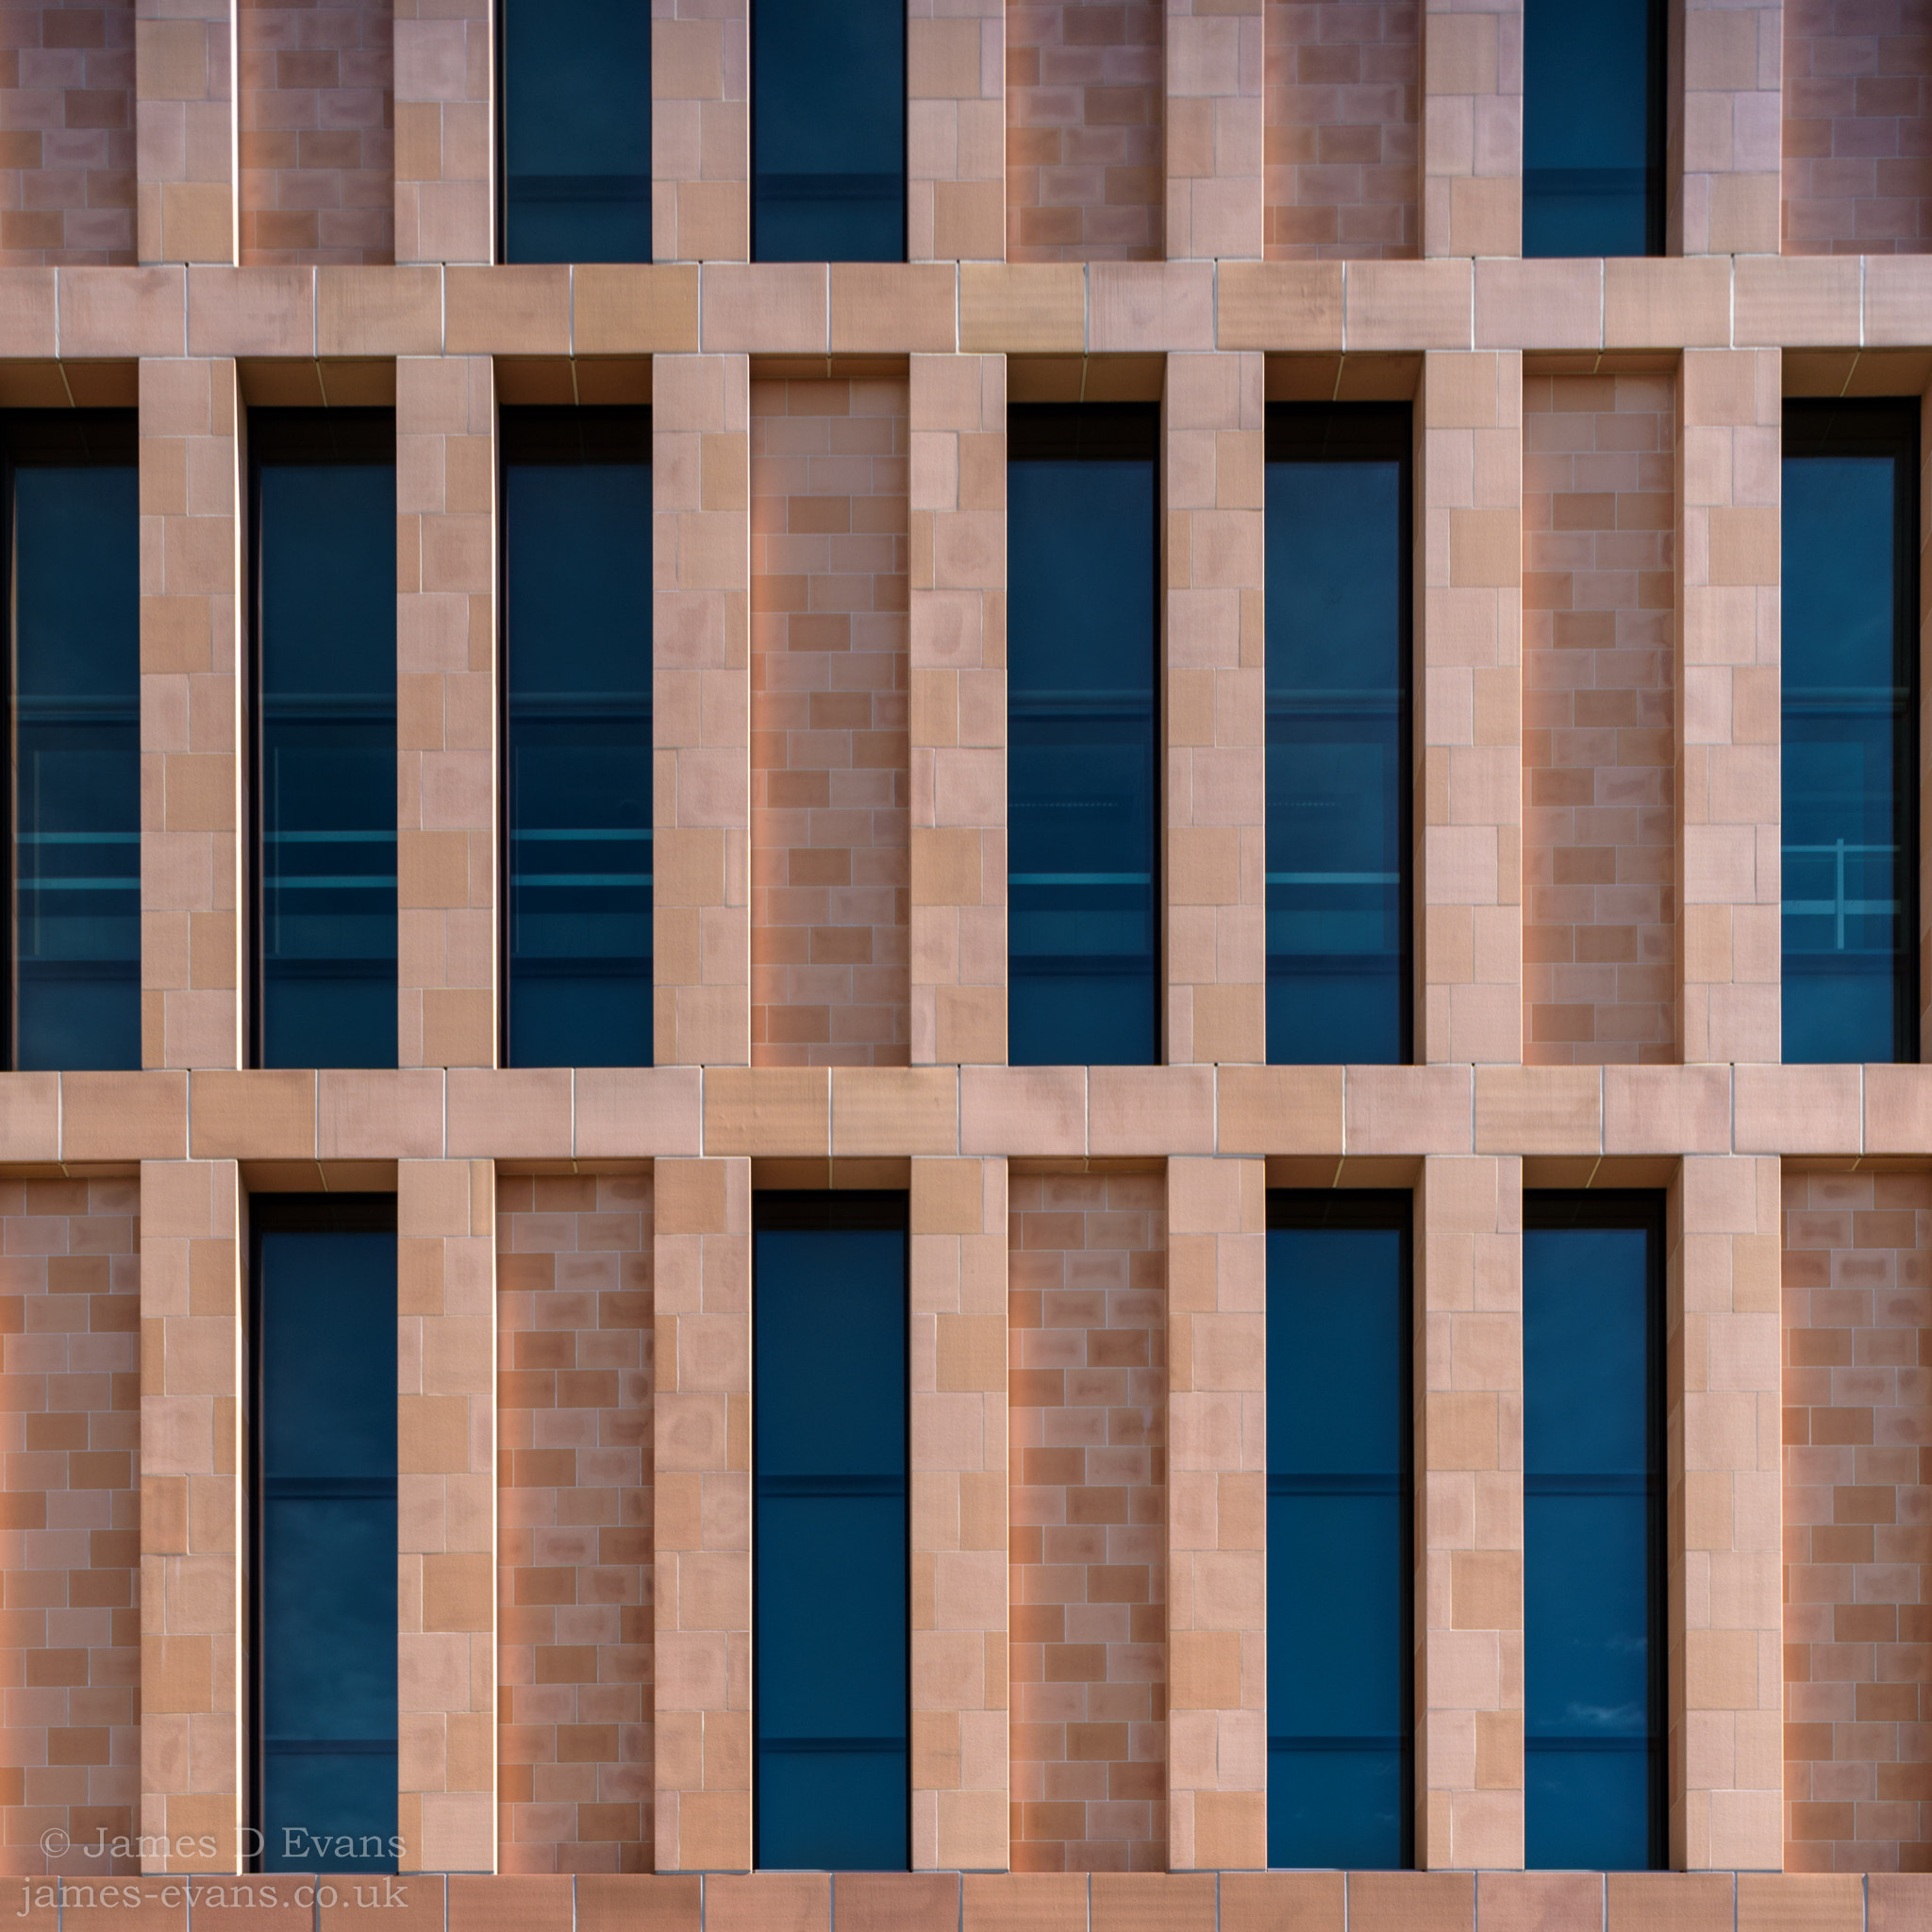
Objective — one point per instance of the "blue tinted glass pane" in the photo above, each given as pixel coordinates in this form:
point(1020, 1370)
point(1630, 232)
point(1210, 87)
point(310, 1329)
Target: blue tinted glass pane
point(832, 1641)
point(1590, 1502)
point(832, 1324)
point(1339, 1555)
point(1337, 840)
point(352, 1796)
point(328, 551)
point(327, 1408)
point(1848, 960)
point(577, 566)
point(828, 130)
point(76, 924)
point(831, 1556)
point(1334, 1807)
point(329, 1665)
point(1341, 1312)
point(1586, 1810)
point(1587, 160)
point(1081, 762)
point(1586, 1595)
point(576, 133)
point(1585, 1333)
point(1839, 541)
point(1338, 1571)
point(832, 1810)
point(328, 1544)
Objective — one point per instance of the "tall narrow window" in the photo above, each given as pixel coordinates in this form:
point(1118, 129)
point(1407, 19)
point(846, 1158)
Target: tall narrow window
point(828, 130)
point(577, 130)
point(1851, 731)
point(75, 803)
point(1593, 128)
point(1593, 1531)
point(1340, 1564)
point(577, 562)
point(1083, 761)
point(325, 899)
point(322, 1641)
point(831, 1692)
point(1338, 836)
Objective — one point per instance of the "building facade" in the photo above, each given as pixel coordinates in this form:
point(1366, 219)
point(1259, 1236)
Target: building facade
point(1218, 226)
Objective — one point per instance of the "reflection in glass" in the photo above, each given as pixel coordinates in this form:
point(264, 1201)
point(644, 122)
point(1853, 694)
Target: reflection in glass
point(1340, 1563)
point(326, 802)
point(1082, 771)
point(1593, 128)
point(577, 130)
point(830, 1555)
point(1337, 735)
point(1850, 680)
point(828, 130)
point(326, 1283)
point(576, 534)
point(1592, 1530)
point(75, 713)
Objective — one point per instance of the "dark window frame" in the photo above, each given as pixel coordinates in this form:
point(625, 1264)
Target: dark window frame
point(830, 1209)
point(357, 1213)
point(104, 438)
point(752, 135)
point(1378, 432)
point(1384, 1209)
point(1883, 427)
point(1648, 1209)
point(1656, 136)
point(341, 435)
point(1063, 432)
point(522, 429)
